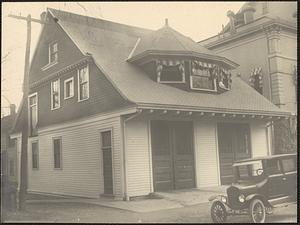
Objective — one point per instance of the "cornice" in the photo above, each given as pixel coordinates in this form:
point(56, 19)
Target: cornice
point(267, 27)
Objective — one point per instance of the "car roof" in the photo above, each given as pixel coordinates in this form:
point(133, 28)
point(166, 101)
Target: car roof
point(265, 157)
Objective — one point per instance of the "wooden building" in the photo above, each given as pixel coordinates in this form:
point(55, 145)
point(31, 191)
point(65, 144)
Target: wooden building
point(125, 111)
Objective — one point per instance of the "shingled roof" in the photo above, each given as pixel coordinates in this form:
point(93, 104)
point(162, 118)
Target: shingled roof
point(167, 40)
point(111, 43)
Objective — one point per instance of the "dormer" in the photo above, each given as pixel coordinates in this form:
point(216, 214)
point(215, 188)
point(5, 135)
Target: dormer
point(171, 58)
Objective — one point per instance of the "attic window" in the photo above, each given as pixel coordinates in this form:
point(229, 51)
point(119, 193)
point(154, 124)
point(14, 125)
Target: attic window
point(53, 52)
point(201, 78)
point(170, 71)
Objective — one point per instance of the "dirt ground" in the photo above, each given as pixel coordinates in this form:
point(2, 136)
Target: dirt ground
point(89, 213)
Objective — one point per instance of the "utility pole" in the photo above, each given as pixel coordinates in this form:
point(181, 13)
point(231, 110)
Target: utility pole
point(22, 186)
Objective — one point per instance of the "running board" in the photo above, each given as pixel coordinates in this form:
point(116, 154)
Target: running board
point(279, 202)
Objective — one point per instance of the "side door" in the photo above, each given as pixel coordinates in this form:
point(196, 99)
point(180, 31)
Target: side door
point(276, 179)
point(289, 167)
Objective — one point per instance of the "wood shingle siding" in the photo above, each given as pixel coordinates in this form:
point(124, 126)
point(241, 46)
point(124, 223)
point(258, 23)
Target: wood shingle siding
point(81, 173)
point(206, 159)
point(139, 169)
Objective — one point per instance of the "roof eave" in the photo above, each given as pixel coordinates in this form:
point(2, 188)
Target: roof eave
point(224, 60)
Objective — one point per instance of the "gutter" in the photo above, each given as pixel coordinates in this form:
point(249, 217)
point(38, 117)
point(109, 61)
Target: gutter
point(138, 112)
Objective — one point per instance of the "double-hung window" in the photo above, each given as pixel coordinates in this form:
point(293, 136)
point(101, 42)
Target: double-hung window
point(57, 152)
point(35, 155)
point(33, 113)
point(53, 52)
point(69, 88)
point(83, 83)
point(55, 94)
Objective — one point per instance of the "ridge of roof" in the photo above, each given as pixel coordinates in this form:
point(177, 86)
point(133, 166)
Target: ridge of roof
point(97, 22)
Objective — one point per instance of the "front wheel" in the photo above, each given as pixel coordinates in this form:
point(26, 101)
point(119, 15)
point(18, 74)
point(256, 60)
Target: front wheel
point(218, 212)
point(257, 211)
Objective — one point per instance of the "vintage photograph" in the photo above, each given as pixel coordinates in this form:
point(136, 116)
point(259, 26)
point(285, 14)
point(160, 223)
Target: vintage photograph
point(149, 112)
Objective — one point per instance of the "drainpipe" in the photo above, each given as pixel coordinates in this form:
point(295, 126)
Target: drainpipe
point(138, 112)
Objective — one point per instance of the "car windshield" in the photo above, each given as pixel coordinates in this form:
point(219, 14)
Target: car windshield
point(248, 170)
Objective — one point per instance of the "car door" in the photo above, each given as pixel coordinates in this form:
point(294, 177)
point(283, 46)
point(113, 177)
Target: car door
point(276, 179)
point(289, 167)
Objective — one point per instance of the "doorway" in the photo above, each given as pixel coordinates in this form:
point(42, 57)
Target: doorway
point(234, 144)
point(172, 155)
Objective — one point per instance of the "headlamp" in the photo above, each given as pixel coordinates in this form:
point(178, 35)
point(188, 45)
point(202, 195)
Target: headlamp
point(242, 198)
point(223, 199)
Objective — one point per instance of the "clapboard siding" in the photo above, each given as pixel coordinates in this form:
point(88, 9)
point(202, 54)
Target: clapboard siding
point(206, 161)
point(82, 171)
point(259, 141)
point(138, 156)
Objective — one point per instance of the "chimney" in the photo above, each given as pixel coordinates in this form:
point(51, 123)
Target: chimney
point(43, 16)
point(166, 22)
point(12, 109)
point(248, 12)
point(230, 15)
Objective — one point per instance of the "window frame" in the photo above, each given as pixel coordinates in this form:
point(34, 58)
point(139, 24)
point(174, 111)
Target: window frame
point(202, 89)
point(50, 53)
point(29, 111)
point(37, 157)
point(88, 83)
point(50, 64)
point(51, 94)
point(53, 152)
point(183, 79)
point(71, 79)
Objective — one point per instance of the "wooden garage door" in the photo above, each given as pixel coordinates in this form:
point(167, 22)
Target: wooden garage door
point(234, 144)
point(173, 156)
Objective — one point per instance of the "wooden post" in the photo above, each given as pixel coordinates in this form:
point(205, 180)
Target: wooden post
point(22, 190)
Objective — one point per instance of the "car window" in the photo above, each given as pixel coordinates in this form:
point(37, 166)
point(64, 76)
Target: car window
point(289, 165)
point(273, 166)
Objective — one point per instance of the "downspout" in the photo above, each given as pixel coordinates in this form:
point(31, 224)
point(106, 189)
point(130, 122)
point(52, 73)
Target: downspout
point(138, 112)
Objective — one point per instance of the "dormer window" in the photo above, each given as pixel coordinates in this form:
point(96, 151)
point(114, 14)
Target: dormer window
point(202, 78)
point(53, 52)
point(170, 71)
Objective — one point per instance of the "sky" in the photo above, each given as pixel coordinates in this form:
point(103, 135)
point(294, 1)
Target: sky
point(198, 20)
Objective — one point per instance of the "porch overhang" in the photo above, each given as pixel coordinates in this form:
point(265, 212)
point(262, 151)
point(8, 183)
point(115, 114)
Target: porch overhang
point(188, 112)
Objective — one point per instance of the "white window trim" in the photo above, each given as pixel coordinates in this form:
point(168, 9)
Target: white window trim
point(38, 156)
point(65, 89)
point(202, 89)
point(50, 64)
point(36, 111)
point(172, 82)
point(52, 94)
point(61, 152)
point(78, 84)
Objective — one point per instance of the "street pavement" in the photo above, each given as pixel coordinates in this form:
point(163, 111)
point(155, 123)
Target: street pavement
point(89, 213)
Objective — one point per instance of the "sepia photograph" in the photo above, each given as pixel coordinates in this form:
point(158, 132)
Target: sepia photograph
point(149, 112)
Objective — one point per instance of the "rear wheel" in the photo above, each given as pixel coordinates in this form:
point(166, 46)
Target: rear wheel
point(257, 211)
point(218, 212)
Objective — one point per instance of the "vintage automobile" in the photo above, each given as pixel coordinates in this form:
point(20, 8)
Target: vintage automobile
point(259, 185)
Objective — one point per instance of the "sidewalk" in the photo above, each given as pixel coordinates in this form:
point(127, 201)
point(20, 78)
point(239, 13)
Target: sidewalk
point(163, 200)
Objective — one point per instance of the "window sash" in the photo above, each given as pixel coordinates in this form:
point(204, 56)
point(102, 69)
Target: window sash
point(83, 83)
point(69, 88)
point(193, 86)
point(33, 112)
point(55, 94)
point(35, 155)
point(57, 153)
point(53, 52)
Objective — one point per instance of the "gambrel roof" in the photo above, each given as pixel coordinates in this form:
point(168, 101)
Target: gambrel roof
point(111, 44)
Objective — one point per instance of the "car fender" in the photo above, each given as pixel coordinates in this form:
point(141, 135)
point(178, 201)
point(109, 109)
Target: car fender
point(217, 198)
point(249, 198)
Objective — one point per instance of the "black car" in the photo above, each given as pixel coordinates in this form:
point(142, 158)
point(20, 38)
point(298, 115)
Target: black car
point(259, 185)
